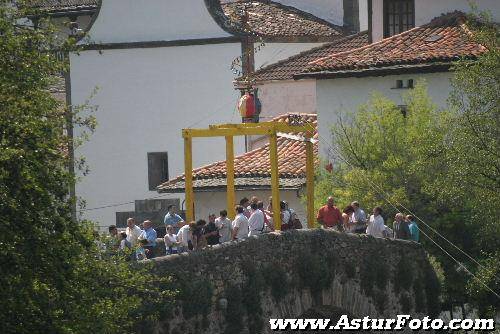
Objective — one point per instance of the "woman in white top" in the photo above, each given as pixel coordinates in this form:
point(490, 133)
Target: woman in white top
point(347, 222)
point(171, 242)
point(376, 226)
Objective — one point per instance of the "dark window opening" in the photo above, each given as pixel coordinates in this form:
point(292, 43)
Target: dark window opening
point(157, 169)
point(399, 83)
point(410, 83)
point(399, 16)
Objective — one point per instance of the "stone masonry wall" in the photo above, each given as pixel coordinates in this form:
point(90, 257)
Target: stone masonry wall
point(238, 286)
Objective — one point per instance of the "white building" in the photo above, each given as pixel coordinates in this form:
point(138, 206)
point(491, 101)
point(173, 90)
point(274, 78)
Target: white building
point(342, 75)
point(402, 54)
point(163, 65)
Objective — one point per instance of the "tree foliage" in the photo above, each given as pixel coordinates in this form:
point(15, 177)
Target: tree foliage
point(53, 278)
point(442, 165)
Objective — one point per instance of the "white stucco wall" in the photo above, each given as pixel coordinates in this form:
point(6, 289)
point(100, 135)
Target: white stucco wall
point(330, 10)
point(153, 20)
point(145, 98)
point(214, 201)
point(377, 20)
point(426, 10)
point(347, 94)
point(283, 97)
point(273, 52)
point(287, 96)
point(363, 15)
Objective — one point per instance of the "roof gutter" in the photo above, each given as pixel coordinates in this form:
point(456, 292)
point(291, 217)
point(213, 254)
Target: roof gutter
point(378, 71)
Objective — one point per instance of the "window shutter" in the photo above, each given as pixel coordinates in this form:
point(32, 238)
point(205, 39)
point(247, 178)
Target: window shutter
point(157, 169)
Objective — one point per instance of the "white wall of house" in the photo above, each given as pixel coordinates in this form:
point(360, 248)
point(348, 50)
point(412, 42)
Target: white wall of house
point(284, 97)
point(287, 96)
point(145, 97)
point(342, 95)
point(153, 20)
point(363, 15)
point(271, 53)
point(214, 201)
point(426, 10)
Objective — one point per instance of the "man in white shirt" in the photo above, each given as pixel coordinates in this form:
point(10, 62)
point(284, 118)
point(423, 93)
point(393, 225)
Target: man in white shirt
point(133, 232)
point(376, 226)
point(240, 224)
point(256, 221)
point(183, 237)
point(358, 218)
point(224, 225)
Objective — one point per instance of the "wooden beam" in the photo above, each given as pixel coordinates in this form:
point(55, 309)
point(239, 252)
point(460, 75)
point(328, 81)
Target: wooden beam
point(230, 192)
point(275, 187)
point(188, 172)
point(310, 182)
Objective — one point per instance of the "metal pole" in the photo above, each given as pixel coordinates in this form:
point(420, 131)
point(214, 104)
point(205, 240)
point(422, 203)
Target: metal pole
point(230, 177)
point(310, 181)
point(275, 191)
point(188, 172)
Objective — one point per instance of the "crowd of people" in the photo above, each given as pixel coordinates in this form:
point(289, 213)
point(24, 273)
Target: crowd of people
point(354, 220)
point(251, 218)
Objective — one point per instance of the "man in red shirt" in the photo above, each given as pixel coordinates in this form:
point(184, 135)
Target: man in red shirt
point(329, 215)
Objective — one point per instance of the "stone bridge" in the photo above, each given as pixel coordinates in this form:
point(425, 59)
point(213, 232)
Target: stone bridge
point(237, 287)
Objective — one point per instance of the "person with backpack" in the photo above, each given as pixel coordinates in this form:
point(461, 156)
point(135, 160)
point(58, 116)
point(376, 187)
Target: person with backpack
point(256, 222)
point(289, 219)
point(269, 226)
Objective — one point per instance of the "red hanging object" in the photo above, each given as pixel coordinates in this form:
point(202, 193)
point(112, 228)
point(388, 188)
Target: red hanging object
point(329, 167)
point(247, 106)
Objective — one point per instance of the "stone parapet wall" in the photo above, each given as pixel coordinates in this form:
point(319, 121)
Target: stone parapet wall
point(236, 287)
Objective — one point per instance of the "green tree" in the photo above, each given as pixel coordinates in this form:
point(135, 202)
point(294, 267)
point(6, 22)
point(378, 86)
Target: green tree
point(53, 280)
point(392, 158)
point(474, 157)
point(442, 165)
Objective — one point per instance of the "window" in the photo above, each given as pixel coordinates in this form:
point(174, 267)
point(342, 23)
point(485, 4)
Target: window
point(157, 169)
point(399, 16)
point(121, 218)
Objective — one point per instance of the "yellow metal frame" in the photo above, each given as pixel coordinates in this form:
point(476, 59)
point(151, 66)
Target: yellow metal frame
point(229, 131)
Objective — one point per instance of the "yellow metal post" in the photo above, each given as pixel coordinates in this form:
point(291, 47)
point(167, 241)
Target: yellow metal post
point(230, 177)
point(310, 181)
point(275, 190)
point(188, 172)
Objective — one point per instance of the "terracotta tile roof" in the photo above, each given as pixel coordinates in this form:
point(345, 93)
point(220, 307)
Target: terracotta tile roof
point(253, 169)
point(443, 40)
point(65, 5)
point(287, 68)
point(272, 19)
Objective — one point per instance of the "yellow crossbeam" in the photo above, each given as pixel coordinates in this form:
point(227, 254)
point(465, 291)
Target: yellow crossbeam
point(244, 130)
point(248, 129)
